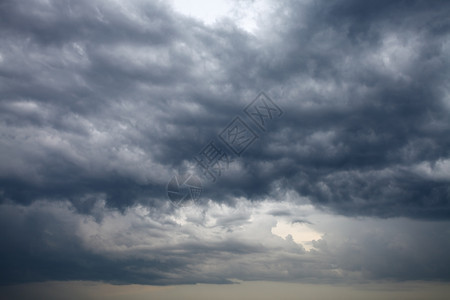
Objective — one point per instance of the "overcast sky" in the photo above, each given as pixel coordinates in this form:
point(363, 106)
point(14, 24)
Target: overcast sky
point(346, 183)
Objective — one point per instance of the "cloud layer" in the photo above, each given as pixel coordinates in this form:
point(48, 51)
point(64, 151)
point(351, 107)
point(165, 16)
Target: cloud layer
point(103, 102)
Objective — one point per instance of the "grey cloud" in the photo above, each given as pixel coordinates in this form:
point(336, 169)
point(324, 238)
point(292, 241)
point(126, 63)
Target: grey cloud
point(118, 109)
point(364, 88)
point(51, 241)
point(105, 102)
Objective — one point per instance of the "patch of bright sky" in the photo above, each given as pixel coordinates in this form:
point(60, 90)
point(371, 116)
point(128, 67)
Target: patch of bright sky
point(245, 13)
point(301, 233)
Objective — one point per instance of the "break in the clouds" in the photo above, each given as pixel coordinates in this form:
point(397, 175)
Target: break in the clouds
point(102, 102)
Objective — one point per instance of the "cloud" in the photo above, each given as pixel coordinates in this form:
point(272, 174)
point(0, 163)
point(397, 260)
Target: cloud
point(116, 107)
point(52, 241)
point(101, 103)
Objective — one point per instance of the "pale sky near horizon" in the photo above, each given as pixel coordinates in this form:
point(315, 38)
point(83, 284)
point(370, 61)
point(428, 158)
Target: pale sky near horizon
point(244, 290)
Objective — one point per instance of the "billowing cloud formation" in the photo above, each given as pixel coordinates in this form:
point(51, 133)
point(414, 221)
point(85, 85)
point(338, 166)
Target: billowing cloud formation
point(102, 102)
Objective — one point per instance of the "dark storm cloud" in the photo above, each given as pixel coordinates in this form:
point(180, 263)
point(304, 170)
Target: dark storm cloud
point(105, 102)
point(365, 88)
point(96, 80)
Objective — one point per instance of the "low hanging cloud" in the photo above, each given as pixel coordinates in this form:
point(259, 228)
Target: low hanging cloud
point(51, 241)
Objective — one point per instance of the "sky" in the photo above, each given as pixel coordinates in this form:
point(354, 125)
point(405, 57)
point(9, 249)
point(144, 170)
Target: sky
point(244, 149)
